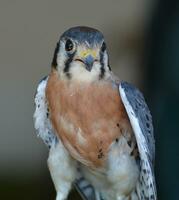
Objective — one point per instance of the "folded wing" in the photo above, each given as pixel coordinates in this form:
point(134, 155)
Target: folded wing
point(141, 121)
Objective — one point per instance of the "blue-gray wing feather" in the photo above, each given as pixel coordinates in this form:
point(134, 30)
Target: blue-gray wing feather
point(141, 121)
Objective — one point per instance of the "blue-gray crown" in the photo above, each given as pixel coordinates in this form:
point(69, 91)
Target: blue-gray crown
point(84, 34)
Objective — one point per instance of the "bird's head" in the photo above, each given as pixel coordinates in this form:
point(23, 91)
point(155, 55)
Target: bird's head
point(81, 54)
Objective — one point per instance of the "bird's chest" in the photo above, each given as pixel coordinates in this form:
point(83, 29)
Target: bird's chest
point(86, 117)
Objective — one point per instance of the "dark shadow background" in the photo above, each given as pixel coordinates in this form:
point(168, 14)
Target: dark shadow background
point(143, 43)
point(163, 95)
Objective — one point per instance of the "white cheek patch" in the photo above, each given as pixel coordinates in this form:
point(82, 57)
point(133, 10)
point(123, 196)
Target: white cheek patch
point(61, 58)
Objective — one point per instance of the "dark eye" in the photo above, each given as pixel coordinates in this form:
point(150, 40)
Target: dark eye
point(103, 47)
point(69, 45)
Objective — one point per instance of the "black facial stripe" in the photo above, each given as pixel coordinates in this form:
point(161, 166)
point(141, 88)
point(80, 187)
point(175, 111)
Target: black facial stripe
point(67, 64)
point(54, 61)
point(102, 65)
point(109, 65)
point(102, 72)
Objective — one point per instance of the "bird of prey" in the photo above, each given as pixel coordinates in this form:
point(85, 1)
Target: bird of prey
point(98, 128)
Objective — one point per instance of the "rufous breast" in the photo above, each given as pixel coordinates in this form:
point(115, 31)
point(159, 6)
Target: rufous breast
point(87, 117)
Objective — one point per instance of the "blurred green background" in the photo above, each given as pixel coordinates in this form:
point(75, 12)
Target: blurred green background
point(143, 43)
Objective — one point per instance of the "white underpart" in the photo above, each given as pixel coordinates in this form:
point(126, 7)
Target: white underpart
point(141, 141)
point(120, 176)
point(62, 169)
point(123, 171)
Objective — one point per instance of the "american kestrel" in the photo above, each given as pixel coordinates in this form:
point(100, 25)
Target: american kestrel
point(98, 129)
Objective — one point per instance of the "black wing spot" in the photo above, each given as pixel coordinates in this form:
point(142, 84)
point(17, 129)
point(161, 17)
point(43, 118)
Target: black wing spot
point(148, 125)
point(147, 117)
point(152, 196)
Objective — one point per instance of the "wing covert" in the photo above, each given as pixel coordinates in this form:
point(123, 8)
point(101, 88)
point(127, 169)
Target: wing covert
point(141, 122)
point(41, 115)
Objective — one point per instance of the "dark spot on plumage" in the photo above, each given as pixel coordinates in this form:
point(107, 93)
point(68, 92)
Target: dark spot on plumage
point(47, 114)
point(132, 113)
point(129, 142)
point(117, 124)
point(54, 61)
point(117, 140)
point(100, 155)
point(144, 170)
point(152, 196)
point(148, 125)
point(100, 150)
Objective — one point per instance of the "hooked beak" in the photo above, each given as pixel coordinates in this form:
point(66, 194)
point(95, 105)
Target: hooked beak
point(89, 61)
point(87, 58)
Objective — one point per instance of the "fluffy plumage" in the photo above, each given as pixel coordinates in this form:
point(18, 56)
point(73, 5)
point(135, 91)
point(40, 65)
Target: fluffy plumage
point(98, 128)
